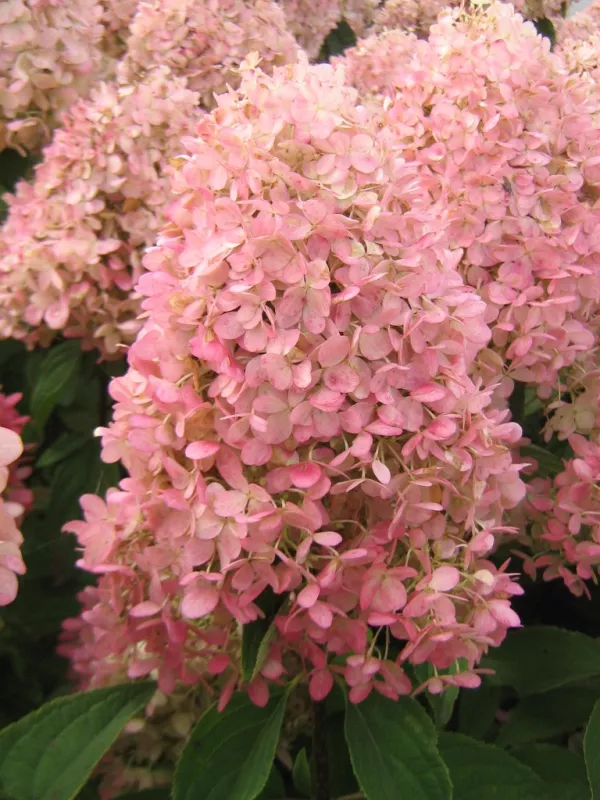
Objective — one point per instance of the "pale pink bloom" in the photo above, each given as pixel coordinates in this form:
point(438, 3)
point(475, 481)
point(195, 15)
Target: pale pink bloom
point(205, 41)
point(583, 26)
point(311, 22)
point(563, 517)
point(51, 53)
point(417, 16)
point(414, 16)
point(73, 239)
point(299, 414)
point(117, 16)
point(521, 228)
point(15, 500)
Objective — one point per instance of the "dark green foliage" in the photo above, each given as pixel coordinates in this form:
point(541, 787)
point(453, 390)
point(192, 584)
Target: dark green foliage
point(545, 27)
point(337, 41)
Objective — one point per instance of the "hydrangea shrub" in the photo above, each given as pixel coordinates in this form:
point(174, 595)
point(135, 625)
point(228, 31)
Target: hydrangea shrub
point(350, 313)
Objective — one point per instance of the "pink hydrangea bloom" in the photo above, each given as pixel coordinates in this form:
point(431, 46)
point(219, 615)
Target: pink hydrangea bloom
point(11, 563)
point(417, 16)
point(582, 55)
point(50, 54)
point(15, 497)
point(578, 41)
point(311, 22)
point(375, 64)
point(414, 16)
point(518, 177)
point(541, 9)
point(574, 405)
point(117, 16)
point(299, 414)
point(563, 515)
point(15, 491)
point(72, 242)
point(206, 40)
point(580, 26)
point(358, 14)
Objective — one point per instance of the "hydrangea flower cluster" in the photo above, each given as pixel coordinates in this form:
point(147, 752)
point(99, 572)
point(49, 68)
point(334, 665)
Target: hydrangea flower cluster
point(72, 243)
point(417, 16)
point(518, 178)
point(298, 417)
point(563, 539)
point(375, 64)
point(50, 55)
point(414, 16)
point(581, 26)
point(311, 22)
point(16, 498)
point(578, 40)
point(574, 406)
point(117, 16)
point(205, 41)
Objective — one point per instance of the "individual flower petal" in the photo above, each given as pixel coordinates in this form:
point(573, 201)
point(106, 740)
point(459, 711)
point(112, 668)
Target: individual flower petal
point(198, 603)
point(444, 579)
point(198, 450)
point(321, 683)
point(11, 447)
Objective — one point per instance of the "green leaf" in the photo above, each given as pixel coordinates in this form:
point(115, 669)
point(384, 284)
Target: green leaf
point(545, 27)
point(562, 770)
point(341, 777)
point(12, 167)
point(591, 751)
point(442, 705)
point(146, 794)
point(536, 659)
point(393, 750)
point(532, 402)
point(64, 446)
point(335, 702)
point(39, 612)
point(114, 369)
point(88, 408)
point(546, 715)
point(477, 709)
point(33, 365)
point(301, 774)
point(89, 792)
point(479, 770)
point(338, 40)
point(49, 755)
point(549, 465)
point(257, 635)
point(82, 383)
point(229, 754)
point(274, 787)
point(58, 369)
point(82, 473)
point(9, 348)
